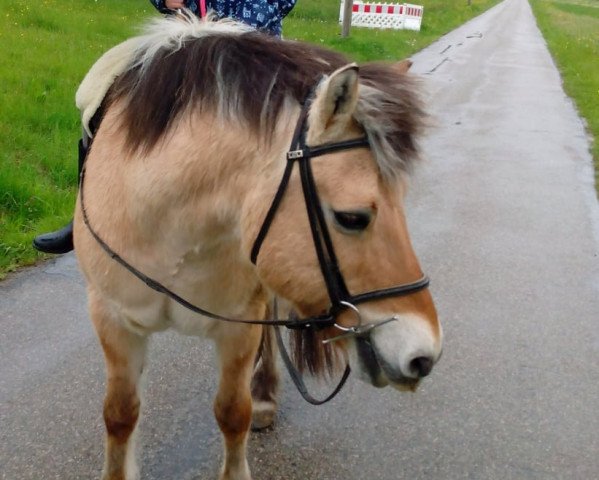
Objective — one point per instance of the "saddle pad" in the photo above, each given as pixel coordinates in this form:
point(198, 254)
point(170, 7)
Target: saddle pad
point(100, 77)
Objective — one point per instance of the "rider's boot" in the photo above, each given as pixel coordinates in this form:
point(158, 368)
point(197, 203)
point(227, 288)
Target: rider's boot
point(60, 241)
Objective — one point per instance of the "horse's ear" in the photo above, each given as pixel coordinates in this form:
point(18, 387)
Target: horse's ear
point(334, 103)
point(402, 67)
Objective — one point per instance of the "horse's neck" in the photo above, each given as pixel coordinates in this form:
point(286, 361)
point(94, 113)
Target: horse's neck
point(178, 210)
point(192, 188)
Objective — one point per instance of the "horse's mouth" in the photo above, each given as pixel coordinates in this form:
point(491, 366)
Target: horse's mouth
point(379, 371)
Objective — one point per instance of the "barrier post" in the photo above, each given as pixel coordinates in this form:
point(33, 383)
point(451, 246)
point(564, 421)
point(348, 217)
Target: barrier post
point(379, 15)
point(347, 14)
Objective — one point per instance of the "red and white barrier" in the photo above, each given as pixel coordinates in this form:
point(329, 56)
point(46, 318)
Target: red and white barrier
point(385, 15)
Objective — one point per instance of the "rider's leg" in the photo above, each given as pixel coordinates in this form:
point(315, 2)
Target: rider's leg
point(61, 241)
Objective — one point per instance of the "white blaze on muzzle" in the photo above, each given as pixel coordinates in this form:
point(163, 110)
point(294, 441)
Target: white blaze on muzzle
point(400, 345)
point(399, 351)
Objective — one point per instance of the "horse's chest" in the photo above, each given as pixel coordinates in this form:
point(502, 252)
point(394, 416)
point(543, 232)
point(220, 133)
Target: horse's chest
point(217, 284)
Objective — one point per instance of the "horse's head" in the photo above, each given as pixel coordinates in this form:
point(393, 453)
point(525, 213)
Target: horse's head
point(360, 192)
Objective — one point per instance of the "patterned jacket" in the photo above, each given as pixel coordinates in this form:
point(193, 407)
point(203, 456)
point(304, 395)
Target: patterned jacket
point(265, 15)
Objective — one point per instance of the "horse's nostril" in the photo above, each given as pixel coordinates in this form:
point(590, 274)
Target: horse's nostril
point(421, 366)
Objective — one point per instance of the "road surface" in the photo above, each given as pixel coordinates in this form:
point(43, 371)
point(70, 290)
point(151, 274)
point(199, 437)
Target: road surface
point(506, 222)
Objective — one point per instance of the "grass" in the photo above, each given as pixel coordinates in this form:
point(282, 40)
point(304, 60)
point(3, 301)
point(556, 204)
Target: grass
point(571, 28)
point(317, 22)
point(49, 45)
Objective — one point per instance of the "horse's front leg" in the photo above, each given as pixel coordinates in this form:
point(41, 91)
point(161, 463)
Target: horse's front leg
point(124, 353)
point(233, 404)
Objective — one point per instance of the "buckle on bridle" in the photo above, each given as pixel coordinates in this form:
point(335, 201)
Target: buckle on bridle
point(360, 330)
point(295, 154)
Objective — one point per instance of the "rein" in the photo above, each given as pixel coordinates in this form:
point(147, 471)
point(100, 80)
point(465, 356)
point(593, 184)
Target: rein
point(338, 292)
point(160, 288)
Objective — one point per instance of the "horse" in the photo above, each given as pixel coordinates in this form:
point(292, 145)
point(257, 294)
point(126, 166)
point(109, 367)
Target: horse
point(191, 184)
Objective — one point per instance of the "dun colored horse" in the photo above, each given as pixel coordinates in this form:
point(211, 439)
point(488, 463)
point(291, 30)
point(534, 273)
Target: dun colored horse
point(180, 178)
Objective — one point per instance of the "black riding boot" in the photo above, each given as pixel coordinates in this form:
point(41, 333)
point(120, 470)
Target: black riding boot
point(60, 241)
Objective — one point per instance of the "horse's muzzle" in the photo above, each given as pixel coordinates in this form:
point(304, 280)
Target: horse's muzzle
point(400, 354)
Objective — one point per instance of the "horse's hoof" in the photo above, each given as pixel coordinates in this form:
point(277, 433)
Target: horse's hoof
point(263, 415)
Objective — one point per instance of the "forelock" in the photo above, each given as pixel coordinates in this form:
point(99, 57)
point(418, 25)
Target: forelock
point(391, 113)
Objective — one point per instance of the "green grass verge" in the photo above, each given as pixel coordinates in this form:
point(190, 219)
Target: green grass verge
point(571, 28)
point(47, 48)
point(318, 22)
point(49, 45)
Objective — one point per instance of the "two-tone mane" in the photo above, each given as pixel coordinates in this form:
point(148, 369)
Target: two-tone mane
point(245, 76)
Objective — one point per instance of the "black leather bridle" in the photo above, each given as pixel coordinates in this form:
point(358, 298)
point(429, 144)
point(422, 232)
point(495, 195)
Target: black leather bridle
point(340, 297)
point(338, 292)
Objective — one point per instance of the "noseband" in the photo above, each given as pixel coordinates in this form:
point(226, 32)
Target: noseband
point(339, 295)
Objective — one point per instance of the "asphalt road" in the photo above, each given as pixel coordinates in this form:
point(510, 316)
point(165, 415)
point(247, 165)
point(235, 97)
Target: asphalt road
point(506, 222)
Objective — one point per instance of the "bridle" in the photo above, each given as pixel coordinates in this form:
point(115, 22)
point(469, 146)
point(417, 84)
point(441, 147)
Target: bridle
point(339, 295)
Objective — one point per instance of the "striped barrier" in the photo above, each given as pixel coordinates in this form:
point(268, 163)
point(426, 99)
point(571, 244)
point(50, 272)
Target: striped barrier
point(385, 15)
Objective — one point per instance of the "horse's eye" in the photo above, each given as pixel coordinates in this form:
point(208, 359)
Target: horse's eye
point(354, 221)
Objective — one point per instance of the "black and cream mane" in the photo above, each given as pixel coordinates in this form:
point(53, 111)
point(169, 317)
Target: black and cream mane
point(229, 70)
